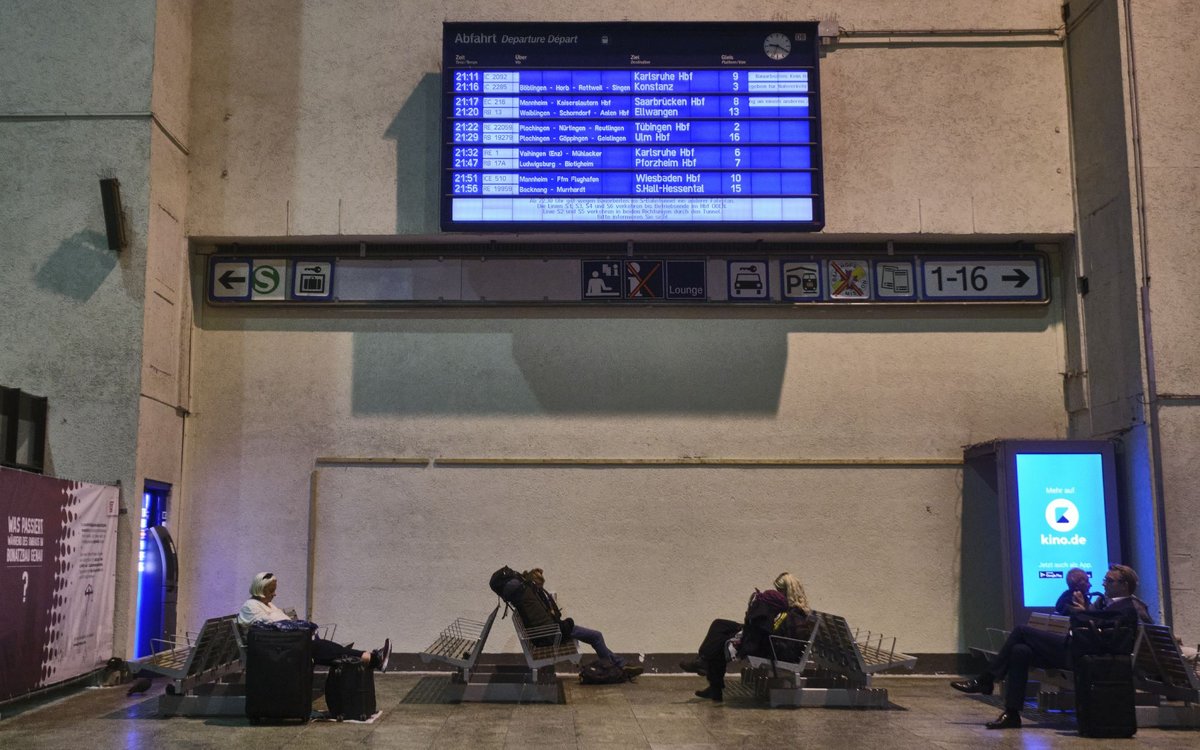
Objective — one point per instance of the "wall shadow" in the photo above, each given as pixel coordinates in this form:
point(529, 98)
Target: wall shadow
point(417, 134)
point(572, 367)
point(78, 267)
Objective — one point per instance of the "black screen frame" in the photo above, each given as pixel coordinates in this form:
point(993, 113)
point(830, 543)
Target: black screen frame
point(693, 45)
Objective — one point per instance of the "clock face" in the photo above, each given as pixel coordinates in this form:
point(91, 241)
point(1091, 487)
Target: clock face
point(777, 46)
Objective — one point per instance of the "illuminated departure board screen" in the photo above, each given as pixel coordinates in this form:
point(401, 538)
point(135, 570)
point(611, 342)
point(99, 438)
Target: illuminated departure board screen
point(631, 126)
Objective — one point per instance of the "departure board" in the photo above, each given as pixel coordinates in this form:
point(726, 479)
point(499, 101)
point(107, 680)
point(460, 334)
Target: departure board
point(631, 126)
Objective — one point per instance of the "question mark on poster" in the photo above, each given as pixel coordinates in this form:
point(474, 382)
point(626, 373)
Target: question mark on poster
point(25, 587)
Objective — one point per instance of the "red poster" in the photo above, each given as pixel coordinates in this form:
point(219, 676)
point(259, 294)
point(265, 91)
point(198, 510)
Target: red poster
point(57, 579)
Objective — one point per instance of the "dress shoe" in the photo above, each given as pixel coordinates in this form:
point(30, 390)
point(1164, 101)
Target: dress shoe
point(711, 692)
point(973, 686)
point(1007, 720)
point(695, 665)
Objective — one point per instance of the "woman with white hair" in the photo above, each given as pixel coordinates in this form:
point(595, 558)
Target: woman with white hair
point(751, 637)
point(259, 608)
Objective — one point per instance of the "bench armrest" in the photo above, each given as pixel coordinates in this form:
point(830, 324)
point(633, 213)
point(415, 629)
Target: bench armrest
point(543, 631)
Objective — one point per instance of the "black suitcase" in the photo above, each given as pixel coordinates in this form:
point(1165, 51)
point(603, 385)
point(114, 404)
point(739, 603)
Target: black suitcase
point(1104, 705)
point(279, 674)
point(350, 690)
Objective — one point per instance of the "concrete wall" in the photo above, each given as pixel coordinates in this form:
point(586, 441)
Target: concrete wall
point(310, 121)
point(1163, 52)
point(1136, 161)
point(319, 119)
point(88, 91)
point(74, 103)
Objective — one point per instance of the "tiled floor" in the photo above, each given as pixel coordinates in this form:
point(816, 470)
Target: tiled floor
point(654, 712)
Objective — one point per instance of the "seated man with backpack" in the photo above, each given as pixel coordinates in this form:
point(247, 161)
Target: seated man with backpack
point(527, 595)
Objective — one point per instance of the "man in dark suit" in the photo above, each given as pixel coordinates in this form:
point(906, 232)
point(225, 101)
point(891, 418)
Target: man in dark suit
point(1027, 647)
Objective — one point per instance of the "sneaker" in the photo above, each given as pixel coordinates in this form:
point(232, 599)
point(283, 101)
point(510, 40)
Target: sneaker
point(380, 656)
point(632, 671)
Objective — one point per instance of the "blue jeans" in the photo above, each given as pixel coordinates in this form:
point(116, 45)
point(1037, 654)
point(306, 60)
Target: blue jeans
point(595, 639)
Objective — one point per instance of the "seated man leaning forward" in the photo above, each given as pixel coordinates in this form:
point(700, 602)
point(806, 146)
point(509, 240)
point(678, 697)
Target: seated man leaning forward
point(1027, 647)
point(258, 608)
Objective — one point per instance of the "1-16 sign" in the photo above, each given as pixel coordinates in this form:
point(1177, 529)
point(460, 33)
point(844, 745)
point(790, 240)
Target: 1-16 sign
point(971, 279)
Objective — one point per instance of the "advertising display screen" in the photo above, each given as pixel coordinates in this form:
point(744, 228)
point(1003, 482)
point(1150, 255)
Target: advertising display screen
point(647, 126)
point(1063, 511)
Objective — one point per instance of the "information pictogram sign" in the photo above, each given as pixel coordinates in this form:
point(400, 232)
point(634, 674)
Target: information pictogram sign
point(645, 279)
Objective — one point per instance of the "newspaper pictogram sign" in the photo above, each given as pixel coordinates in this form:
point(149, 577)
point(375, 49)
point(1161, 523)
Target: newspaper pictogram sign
point(602, 279)
point(748, 280)
point(312, 280)
point(895, 280)
point(801, 280)
point(687, 280)
point(849, 280)
point(644, 279)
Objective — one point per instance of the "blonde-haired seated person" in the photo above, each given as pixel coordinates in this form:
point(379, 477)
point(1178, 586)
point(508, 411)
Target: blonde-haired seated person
point(751, 637)
point(259, 608)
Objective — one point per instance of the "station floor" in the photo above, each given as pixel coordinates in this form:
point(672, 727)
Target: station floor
point(654, 712)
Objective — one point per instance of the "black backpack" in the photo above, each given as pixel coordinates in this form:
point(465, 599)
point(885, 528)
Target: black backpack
point(507, 583)
point(797, 625)
point(602, 672)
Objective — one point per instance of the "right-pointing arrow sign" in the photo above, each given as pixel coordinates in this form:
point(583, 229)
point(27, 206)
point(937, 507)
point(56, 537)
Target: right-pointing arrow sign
point(975, 279)
point(1018, 276)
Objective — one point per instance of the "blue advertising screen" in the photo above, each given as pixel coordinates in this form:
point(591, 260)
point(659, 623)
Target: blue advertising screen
point(597, 126)
point(1063, 522)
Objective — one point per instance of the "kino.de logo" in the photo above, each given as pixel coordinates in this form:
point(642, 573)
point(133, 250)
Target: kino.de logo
point(1062, 515)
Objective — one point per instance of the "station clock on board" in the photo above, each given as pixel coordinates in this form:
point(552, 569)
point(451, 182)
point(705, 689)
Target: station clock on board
point(777, 46)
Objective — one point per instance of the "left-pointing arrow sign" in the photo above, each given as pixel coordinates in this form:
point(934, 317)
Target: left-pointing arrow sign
point(228, 279)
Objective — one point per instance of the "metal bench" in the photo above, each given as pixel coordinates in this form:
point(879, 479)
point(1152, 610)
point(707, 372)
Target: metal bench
point(196, 663)
point(460, 645)
point(1160, 673)
point(540, 656)
point(196, 658)
point(830, 666)
point(1160, 669)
